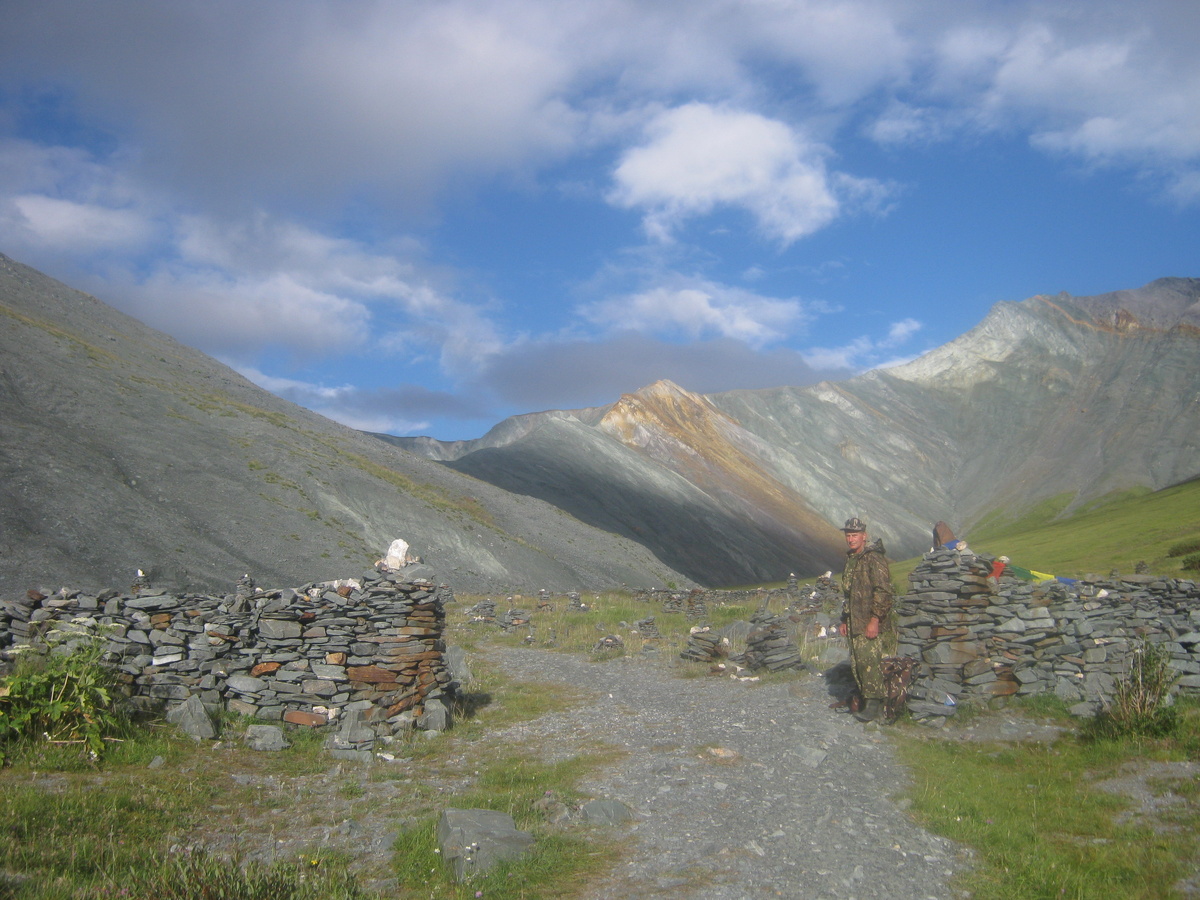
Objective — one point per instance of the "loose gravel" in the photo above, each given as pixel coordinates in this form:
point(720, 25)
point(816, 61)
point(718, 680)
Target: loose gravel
point(741, 789)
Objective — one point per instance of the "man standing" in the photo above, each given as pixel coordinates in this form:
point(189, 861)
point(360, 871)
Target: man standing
point(867, 615)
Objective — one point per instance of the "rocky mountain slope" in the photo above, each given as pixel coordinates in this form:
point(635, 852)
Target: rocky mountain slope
point(121, 449)
point(1051, 395)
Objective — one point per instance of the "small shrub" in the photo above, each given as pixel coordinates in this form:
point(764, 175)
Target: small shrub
point(1184, 548)
point(61, 698)
point(1191, 563)
point(1141, 701)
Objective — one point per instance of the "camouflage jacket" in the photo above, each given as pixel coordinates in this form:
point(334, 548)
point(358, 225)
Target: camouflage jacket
point(867, 588)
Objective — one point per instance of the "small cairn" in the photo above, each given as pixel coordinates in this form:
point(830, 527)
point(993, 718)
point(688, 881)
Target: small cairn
point(483, 611)
point(514, 618)
point(609, 644)
point(696, 609)
point(647, 628)
point(770, 646)
point(673, 604)
point(704, 645)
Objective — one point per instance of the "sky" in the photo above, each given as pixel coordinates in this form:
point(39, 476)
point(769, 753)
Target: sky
point(420, 218)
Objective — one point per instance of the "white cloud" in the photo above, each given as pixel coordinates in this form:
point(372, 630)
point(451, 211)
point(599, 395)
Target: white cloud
point(901, 331)
point(865, 352)
point(78, 227)
point(1119, 85)
point(697, 157)
point(699, 309)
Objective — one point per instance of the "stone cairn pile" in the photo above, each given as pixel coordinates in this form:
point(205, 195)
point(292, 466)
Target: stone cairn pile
point(981, 639)
point(704, 645)
point(825, 594)
point(674, 603)
point(648, 629)
point(514, 618)
point(372, 646)
point(769, 644)
point(696, 610)
point(609, 643)
point(483, 611)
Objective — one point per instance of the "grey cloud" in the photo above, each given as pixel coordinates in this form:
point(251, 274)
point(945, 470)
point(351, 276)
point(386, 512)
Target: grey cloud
point(410, 401)
point(577, 374)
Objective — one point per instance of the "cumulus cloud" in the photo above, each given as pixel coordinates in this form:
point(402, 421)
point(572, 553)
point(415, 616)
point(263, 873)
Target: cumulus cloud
point(697, 157)
point(695, 308)
point(247, 177)
point(1117, 87)
point(866, 352)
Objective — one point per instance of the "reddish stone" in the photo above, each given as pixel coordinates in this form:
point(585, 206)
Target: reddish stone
point(335, 659)
point(265, 668)
point(369, 674)
point(299, 717)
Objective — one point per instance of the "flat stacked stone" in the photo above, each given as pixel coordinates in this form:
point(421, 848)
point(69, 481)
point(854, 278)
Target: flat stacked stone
point(696, 609)
point(609, 643)
point(483, 611)
point(704, 645)
point(982, 639)
point(769, 644)
point(647, 628)
point(514, 618)
point(373, 645)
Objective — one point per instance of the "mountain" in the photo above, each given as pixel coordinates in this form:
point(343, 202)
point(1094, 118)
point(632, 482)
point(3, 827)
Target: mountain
point(122, 449)
point(1048, 396)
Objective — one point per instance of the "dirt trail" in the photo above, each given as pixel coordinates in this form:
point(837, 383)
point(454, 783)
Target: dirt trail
point(741, 789)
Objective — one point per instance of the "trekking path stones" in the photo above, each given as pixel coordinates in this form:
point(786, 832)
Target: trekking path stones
point(739, 790)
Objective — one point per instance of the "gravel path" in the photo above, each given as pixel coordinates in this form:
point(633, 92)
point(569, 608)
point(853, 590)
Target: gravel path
point(742, 790)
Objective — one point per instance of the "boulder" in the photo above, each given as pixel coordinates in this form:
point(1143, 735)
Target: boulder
point(474, 840)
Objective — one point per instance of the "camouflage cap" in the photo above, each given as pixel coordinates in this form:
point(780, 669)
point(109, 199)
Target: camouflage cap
point(854, 524)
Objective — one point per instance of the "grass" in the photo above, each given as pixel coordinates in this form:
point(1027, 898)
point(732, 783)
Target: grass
point(182, 828)
point(1114, 532)
point(616, 613)
point(1041, 824)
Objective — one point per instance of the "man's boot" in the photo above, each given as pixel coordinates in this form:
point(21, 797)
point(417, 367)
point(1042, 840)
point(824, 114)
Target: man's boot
point(872, 712)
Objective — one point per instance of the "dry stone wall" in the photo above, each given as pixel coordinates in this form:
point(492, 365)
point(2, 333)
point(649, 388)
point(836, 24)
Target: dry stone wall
point(372, 646)
point(980, 638)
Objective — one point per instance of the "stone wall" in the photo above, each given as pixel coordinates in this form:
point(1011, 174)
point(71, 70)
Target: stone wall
point(980, 638)
point(373, 646)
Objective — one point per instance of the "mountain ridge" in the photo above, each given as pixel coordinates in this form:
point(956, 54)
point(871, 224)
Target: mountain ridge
point(1052, 394)
point(122, 449)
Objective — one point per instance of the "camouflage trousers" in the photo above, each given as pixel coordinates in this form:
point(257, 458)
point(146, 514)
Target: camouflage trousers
point(866, 658)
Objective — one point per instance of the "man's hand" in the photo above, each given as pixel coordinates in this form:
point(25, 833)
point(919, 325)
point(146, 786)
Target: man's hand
point(872, 630)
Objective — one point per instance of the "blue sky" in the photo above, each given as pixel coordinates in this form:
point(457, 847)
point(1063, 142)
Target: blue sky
point(420, 217)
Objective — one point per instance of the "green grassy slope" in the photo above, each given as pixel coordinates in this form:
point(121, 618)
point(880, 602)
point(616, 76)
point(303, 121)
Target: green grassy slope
point(1114, 533)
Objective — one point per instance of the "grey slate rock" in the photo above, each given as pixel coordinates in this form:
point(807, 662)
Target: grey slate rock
point(607, 812)
point(265, 738)
point(193, 719)
point(474, 840)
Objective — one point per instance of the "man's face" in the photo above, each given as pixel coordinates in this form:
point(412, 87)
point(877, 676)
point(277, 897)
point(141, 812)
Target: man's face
point(855, 540)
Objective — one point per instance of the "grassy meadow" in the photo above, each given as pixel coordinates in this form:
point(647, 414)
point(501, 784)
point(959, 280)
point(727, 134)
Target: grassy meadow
point(1160, 528)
